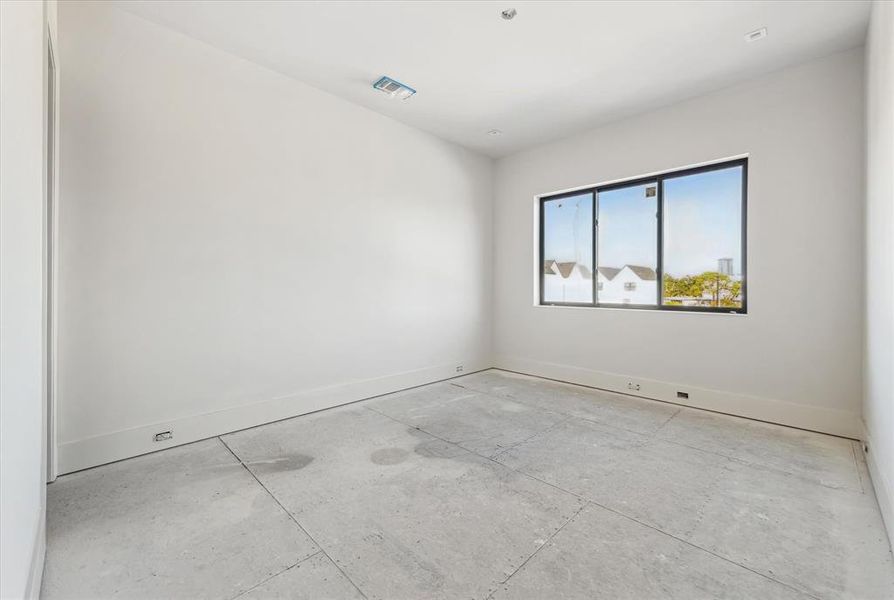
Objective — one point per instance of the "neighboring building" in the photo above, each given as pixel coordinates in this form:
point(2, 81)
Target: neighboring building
point(631, 284)
point(572, 282)
point(725, 266)
point(567, 282)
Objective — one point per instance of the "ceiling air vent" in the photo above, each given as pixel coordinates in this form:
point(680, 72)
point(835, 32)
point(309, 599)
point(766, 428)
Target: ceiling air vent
point(394, 88)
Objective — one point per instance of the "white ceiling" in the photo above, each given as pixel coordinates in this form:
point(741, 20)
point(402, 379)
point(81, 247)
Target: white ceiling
point(557, 68)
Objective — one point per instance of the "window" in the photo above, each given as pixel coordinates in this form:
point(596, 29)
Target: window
point(627, 243)
point(674, 241)
point(703, 239)
point(566, 233)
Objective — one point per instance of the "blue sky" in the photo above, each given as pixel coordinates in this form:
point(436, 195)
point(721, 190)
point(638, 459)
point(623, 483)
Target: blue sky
point(701, 224)
point(567, 235)
point(702, 221)
point(628, 228)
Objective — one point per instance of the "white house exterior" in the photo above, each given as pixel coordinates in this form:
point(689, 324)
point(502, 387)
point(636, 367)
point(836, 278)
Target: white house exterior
point(567, 282)
point(631, 284)
point(573, 282)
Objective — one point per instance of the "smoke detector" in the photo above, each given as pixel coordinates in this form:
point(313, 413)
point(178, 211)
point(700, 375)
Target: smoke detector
point(394, 88)
point(509, 14)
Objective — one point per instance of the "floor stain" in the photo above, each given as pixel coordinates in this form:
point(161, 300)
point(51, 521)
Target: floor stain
point(290, 462)
point(388, 456)
point(434, 449)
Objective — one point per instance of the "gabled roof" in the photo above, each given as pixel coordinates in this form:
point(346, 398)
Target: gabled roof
point(567, 268)
point(609, 272)
point(644, 273)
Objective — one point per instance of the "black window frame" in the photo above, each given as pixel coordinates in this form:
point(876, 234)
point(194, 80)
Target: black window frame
point(659, 180)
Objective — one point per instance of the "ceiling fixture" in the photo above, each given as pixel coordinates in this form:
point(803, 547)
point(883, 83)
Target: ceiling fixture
point(494, 132)
point(509, 14)
point(757, 34)
point(394, 88)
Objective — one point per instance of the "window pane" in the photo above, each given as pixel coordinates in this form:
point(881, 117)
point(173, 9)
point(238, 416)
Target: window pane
point(568, 249)
point(703, 239)
point(627, 251)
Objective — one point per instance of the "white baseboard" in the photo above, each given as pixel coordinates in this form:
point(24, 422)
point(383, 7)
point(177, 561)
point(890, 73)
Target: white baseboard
point(884, 492)
point(118, 445)
point(101, 449)
point(38, 556)
point(825, 420)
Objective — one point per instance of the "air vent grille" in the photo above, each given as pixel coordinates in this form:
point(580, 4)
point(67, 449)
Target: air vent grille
point(394, 88)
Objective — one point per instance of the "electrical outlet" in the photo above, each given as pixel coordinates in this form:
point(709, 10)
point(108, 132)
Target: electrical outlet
point(682, 395)
point(163, 436)
point(459, 368)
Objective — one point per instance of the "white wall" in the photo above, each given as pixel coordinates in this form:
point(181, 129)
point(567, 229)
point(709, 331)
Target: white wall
point(878, 406)
point(239, 247)
point(796, 358)
point(23, 39)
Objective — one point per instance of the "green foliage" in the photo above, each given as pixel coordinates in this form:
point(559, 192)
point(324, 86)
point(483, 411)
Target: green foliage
point(710, 287)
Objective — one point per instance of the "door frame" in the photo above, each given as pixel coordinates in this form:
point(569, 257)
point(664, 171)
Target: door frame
point(51, 248)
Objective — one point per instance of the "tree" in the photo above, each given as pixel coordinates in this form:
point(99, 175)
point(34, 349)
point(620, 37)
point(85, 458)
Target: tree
point(715, 288)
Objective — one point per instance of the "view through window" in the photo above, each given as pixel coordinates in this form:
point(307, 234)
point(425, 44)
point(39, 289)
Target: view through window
point(568, 242)
point(627, 244)
point(670, 242)
point(703, 239)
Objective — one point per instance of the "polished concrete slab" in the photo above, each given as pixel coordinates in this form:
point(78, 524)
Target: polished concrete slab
point(660, 484)
point(403, 513)
point(826, 541)
point(823, 458)
point(489, 485)
point(603, 555)
point(625, 412)
point(484, 424)
point(310, 579)
point(189, 522)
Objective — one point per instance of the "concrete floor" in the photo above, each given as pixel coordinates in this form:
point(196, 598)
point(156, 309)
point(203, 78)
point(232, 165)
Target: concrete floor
point(490, 485)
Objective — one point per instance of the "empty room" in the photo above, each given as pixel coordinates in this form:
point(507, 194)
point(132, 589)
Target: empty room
point(411, 300)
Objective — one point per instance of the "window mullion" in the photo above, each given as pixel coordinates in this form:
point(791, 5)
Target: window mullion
point(659, 263)
point(595, 264)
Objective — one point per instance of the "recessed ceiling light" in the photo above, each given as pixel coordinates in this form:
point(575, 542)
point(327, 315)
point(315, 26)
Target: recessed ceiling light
point(509, 14)
point(494, 132)
point(757, 34)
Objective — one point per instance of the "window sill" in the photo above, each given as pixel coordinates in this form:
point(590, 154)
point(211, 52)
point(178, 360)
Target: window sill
point(644, 310)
